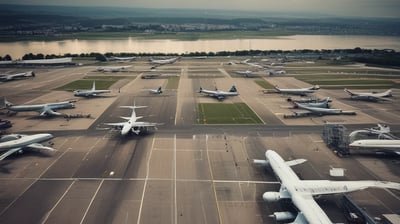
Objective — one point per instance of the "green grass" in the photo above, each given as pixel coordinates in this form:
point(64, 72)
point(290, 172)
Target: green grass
point(226, 113)
point(348, 81)
point(5, 37)
point(173, 82)
point(264, 84)
point(102, 82)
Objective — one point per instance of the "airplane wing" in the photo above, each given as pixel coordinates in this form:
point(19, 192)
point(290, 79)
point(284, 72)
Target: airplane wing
point(9, 152)
point(47, 111)
point(146, 124)
point(378, 98)
point(119, 124)
point(310, 209)
point(321, 187)
point(37, 146)
point(33, 146)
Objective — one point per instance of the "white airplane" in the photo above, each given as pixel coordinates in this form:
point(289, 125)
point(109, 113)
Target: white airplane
point(91, 92)
point(164, 61)
point(370, 96)
point(377, 145)
point(325, 103)
point(113, 58)
point(276, 72)
point(300, 92)
point(112, 68)
point(10, 77)
point(220, 95)
point(154, 91)
point(131, 124)
point(321, 111)
point(302, 192)
point(47, 109)
point(253, 64)
point(16, 143)
point(247, 73)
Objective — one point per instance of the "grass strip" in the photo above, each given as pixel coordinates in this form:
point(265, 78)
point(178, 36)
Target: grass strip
point(226, 113)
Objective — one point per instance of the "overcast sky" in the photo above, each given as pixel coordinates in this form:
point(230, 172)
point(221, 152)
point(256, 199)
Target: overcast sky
point(363, 8)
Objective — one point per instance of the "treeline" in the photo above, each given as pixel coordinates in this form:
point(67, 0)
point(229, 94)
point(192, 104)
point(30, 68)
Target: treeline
point(369, 56)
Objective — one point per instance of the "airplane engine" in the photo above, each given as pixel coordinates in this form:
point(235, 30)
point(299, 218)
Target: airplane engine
point(271, 196)
point(136, 130)
point(283, 216)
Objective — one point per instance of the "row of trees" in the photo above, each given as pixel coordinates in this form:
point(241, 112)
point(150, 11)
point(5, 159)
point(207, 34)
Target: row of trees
point(380, 57)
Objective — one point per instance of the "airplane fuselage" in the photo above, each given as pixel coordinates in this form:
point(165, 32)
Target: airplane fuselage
point(24, 140)
point(300, 92)
point(292, 184)
point(89, 93)
point(39, 107)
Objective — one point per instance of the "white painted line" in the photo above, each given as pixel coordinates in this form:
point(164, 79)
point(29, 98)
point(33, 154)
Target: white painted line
point(145, 183)
point(58, 202)
point(175, 200)
point(91, 201)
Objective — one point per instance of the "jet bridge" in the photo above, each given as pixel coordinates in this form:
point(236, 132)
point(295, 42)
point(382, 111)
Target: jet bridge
point(354, 213)
point(336, 138)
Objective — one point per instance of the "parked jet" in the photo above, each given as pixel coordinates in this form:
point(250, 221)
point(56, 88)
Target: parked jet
point(302, 192)
point(10, 77)
point(309, 100)
point(112, 68)
point(377, 145)
point(154, 91)
point(47, 109)
point(15, 143)
point(253, 64)
point(113, 58)
point(131, 124)
point(325, 103)
point(370, 96)
point(248, 73)
point(276, 72)
point(91, 92)
point(321, 111)
point(301, 91)
point(220, 95)
point(164, 61)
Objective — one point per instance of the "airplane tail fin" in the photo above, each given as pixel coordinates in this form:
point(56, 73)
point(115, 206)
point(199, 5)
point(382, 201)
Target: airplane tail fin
point(233, 89)
point(159, 90)
point(201, 89)
point(4, 103)
point(349, 92)
point(315, 87)
point(388, 93)
point(94, 86)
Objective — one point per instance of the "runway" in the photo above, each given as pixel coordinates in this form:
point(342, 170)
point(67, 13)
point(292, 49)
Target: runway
point(182, 172)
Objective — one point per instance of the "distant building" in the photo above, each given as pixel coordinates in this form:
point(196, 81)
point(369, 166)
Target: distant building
point(54, 61)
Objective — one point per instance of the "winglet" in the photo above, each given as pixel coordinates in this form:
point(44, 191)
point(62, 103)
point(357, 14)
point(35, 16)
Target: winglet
point(261, 162)
point(233, 89)
point(4, 103)
point(348, 91)
point(295, 162)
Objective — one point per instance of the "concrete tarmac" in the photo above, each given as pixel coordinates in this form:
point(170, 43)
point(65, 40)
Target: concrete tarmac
point(182, 172)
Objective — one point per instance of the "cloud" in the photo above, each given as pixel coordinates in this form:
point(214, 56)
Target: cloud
point(367, 8)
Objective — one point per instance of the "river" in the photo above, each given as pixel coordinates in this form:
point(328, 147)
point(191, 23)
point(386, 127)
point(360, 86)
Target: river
point(131, 45)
